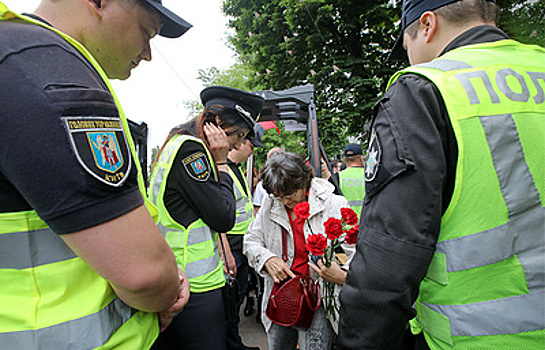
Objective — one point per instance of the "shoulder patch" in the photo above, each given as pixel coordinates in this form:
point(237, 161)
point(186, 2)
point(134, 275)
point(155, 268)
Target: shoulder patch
point(374, 154)
point(197, 166)
point(100, 146)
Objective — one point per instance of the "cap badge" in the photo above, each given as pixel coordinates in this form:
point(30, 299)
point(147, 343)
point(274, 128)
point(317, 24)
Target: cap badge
point(243, 112)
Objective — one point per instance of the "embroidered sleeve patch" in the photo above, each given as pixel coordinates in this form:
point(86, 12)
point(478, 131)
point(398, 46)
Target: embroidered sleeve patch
point(197, 166)
point(374, 155)
point(100, 146)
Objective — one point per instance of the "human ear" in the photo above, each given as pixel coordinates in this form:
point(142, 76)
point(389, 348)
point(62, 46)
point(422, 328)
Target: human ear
point(96, 7)
point(428, 24)
point(218, 120)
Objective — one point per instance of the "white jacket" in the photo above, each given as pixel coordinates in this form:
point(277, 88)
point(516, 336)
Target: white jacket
point(263, 240)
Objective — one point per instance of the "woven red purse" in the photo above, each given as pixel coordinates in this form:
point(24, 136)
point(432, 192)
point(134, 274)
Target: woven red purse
point(294, 301)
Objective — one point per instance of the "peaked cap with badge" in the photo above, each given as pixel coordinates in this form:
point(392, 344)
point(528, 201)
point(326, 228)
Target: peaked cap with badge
point(246, 105)
point(411, 11)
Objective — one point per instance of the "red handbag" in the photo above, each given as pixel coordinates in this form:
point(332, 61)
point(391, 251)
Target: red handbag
point(294, 301)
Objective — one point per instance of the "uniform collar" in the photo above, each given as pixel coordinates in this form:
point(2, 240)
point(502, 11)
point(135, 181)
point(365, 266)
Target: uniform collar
point(476, 35)
point(230, 162)
point(37, 18)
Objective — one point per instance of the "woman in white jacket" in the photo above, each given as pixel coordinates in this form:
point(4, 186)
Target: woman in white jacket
point(289, 180)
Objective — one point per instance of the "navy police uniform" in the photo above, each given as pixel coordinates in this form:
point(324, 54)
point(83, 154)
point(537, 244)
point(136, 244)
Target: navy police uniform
point(375, 310)
point(187, 198)
point(192, 193)
point(64, 152)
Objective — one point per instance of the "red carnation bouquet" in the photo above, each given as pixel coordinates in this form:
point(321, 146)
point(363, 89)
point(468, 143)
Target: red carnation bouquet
point(337, 232)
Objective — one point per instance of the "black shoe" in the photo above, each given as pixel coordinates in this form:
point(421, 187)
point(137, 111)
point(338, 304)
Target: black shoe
point(250, 347)
point(249, 308)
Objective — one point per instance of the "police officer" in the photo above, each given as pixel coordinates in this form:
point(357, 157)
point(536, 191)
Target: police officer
point(453, 213)
point(238, 264)
point(82, 264)
point(193, 191)
point(352, 179)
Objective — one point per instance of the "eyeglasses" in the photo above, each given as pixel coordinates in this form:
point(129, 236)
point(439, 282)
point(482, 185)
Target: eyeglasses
point(240, 134)
point(287, 196)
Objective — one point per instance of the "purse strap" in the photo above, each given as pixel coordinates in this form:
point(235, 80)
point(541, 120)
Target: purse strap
point(284, 244)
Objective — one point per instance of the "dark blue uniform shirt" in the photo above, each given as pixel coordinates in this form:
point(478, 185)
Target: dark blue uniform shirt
point(44, 165)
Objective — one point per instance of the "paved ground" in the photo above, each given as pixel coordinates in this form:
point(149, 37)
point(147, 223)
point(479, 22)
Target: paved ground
point(252, 332)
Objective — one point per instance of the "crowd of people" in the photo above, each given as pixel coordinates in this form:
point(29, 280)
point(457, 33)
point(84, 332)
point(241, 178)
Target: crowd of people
point(445, 248)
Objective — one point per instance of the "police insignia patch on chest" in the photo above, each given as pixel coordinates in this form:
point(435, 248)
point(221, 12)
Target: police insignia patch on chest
point(100, 146)
point(197, 166)
point(374, 153)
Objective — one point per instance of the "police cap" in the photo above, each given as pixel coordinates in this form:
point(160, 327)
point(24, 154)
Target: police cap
point(352, 149)
point(246, 104)
point(173, 25)
point(411, 11)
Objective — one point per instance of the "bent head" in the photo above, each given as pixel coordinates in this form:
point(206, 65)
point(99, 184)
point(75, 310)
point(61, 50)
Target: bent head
point(287, 176)
point(428, 26)
point(116, 32)
point(235, 111)
point(235, 128)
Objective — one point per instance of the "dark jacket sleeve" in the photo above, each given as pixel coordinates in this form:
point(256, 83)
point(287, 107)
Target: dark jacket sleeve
point(405, 199)
point(188, 197)
point(45, 166)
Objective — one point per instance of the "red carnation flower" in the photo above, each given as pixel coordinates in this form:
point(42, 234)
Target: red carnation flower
point(349, 216)
point(316, 244)
point(333, 228)
point(301, 210)
point(352, 235)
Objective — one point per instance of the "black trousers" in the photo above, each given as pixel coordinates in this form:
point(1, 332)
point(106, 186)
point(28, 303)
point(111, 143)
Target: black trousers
point(200, 326)
point(414, 342)
point(234, 342)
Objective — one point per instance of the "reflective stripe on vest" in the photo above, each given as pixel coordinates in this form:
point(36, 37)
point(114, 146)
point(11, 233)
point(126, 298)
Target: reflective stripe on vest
point(80, 333)
point(352, 183)
point(525, 232)
point(244, 207)
point(195, 247)
point(355, 204)
point(27, 249)
point(485, 287)
point(196, 236)
point(51, 299)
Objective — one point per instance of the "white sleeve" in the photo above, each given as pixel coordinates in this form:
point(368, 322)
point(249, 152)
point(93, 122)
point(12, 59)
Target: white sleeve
point(259, 193)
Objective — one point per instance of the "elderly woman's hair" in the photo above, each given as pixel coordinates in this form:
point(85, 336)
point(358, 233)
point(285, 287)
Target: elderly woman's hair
point(286, 172)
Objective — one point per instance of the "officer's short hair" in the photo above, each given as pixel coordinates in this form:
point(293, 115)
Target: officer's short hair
point(462, 12)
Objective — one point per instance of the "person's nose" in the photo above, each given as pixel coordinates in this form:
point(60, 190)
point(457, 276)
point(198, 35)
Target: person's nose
point(146, 53)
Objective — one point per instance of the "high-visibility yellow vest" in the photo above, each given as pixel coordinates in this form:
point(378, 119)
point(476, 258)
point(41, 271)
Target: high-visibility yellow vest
point(485, 287)
point(195, 246)
point(244, 206)
point(352, 183)
point(50, 298)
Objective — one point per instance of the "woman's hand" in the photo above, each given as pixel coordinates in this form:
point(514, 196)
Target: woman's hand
point(334, 273)
point(326, 174)
point(217, 140)
point(278, 269)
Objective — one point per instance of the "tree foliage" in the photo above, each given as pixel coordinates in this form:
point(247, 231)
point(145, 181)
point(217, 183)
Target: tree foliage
point(340, 46)
point(523, 20)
